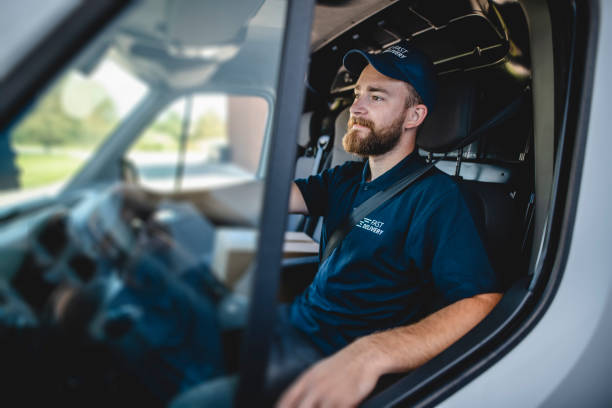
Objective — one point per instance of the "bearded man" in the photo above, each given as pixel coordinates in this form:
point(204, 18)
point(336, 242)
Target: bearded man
point(407, 281)
point(369, 307)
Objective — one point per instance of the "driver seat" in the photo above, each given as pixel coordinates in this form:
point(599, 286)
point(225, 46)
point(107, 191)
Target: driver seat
point(448, 134)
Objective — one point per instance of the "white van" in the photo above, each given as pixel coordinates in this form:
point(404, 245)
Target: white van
point(147, 153)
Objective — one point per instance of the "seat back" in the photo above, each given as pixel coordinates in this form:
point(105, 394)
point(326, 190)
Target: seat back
point(496, 213)
point(497, 218)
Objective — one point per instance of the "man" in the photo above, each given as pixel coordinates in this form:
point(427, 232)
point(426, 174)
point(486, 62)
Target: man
point(366, 307)
point(368, 310)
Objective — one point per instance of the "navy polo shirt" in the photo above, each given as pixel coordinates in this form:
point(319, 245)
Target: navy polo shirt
point(417, 252)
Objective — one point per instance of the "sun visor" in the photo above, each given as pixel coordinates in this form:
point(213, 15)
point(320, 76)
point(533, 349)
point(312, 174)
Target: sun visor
point(193, 24)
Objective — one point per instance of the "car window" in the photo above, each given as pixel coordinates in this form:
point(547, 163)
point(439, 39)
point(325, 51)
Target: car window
point(201, 141)
point(131, 202)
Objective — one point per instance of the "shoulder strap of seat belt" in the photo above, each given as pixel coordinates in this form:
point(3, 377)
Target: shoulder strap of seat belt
point(370, 205)
point(322, 144)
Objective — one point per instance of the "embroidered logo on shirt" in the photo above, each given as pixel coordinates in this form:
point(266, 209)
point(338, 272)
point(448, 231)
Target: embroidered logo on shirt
point(371, 225)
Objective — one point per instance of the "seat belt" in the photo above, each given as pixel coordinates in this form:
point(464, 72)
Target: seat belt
point(370, 205)
point(322, 144)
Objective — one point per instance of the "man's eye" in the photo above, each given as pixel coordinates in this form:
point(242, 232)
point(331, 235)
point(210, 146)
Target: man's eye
point(376, 98)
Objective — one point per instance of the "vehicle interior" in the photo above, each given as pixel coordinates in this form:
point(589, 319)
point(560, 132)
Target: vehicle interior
point(103, 279)
point(481, 132)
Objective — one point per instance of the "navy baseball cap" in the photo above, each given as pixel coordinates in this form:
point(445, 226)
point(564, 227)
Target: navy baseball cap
point(401, 61)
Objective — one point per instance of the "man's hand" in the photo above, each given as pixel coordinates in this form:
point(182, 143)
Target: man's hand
point(341, 380)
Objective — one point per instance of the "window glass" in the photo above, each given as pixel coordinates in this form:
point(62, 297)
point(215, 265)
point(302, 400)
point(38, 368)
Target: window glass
point(201, 141)
point(130, 201)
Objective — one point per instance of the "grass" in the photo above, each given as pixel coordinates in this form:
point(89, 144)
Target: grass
point(40, 169)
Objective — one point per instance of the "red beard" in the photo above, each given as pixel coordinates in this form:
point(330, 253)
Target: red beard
point(377, 142)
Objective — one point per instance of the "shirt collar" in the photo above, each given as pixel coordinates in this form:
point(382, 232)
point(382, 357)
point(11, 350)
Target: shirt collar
point(407, 165)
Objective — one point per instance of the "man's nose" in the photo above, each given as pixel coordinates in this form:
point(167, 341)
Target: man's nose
point(358, 107)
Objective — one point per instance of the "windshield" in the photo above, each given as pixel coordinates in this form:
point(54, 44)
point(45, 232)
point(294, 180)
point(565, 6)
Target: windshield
point(149, 152)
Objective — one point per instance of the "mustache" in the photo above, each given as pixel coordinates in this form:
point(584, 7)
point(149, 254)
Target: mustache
point(361, 122)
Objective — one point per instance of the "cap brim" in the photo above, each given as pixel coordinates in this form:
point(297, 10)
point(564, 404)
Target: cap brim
point(355, 61)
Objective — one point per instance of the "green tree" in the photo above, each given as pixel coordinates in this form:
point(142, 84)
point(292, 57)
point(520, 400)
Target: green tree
point(47, 124)
point(169, 124)
point(209, 126)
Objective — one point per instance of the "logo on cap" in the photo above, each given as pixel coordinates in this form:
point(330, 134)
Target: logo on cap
point(397, 51)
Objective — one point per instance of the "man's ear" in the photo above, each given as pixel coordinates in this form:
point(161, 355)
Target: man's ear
point(415, 116)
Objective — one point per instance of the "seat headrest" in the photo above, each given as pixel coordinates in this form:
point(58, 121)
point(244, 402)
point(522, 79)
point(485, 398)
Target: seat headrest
point(304, 135)
point(449, 125)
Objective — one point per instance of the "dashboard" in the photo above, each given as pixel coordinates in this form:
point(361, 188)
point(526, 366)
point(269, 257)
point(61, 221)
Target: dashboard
point(113, 271)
